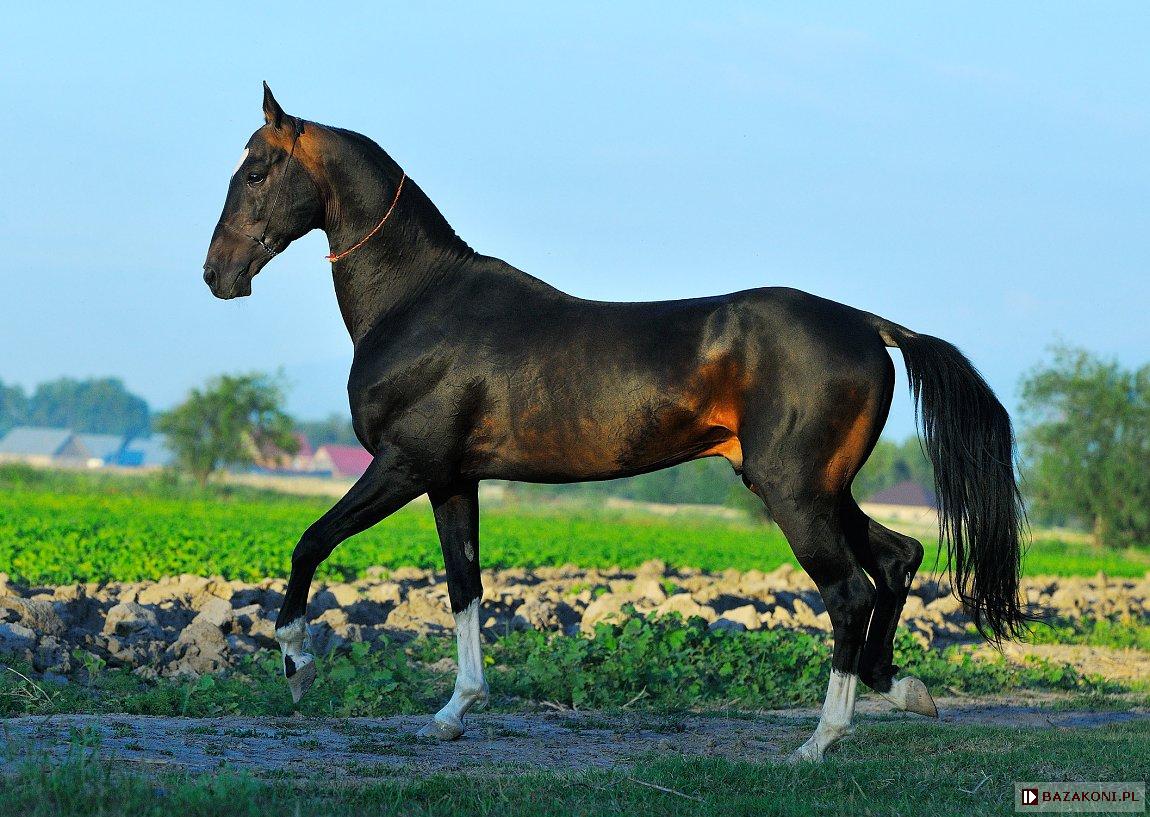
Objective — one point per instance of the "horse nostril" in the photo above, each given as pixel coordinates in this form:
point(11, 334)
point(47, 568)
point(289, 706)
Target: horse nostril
point(210, 275)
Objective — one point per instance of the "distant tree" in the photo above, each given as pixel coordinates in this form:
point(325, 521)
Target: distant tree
point(334, 430)
point(227, 423)
point(1087, 448)
point(891, 463)
point(98, 406)
point(13, 407)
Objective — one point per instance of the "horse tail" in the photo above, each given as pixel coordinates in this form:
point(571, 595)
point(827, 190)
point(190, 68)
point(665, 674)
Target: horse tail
point(969, 440)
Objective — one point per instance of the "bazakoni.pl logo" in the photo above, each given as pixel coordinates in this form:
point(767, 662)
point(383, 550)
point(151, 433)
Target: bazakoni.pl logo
point(1080, 797)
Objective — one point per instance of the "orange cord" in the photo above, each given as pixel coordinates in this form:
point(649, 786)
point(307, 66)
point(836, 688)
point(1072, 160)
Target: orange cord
point(375, 229)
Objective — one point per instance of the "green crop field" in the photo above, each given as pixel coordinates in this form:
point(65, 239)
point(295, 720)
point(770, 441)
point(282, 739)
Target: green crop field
point(59, 528)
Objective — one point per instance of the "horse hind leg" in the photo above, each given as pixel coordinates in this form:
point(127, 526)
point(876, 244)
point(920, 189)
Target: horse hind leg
point(812, 527)
point(892, 559)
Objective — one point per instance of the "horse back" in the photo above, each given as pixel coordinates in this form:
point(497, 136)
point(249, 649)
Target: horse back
point(535, 385)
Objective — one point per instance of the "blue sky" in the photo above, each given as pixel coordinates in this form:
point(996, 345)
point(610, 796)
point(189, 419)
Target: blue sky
point(977, 173)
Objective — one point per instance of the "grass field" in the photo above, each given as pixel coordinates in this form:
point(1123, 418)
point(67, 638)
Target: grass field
point(59, 528)
point(958, 770)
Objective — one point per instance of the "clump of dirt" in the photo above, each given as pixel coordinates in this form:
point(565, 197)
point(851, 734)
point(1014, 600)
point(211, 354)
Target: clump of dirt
point(192, 625)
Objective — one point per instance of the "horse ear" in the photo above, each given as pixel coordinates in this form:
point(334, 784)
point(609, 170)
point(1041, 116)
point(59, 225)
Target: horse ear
point(273, 114)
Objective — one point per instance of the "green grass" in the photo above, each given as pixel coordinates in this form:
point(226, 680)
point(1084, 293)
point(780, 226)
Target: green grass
point(658, 665)
point(952, 770)
point(1051, 557)
point(1120, 633)
point(58, 528)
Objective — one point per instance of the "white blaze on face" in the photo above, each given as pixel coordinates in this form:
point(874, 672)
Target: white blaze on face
point(240, 163)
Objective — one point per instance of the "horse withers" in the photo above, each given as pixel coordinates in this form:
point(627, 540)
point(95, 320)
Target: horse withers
point(466, 368)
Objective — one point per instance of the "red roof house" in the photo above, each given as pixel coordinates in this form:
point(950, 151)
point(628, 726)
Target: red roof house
point(341, 460)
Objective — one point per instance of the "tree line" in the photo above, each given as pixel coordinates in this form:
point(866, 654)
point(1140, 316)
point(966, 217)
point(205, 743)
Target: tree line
point(95, 406)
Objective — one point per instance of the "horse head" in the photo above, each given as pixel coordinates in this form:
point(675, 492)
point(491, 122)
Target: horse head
point(273, 199)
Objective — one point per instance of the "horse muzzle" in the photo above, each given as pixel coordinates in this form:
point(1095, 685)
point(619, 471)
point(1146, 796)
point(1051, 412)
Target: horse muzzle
point(234, 259)
point(230, 283)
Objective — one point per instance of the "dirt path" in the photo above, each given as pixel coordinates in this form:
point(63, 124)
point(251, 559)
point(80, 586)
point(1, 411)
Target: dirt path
point(374, 747)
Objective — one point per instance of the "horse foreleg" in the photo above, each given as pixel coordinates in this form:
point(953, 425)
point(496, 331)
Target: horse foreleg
point(387, 485)
point(457, 520)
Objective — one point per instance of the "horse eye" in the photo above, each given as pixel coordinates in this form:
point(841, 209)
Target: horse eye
point(255, 178)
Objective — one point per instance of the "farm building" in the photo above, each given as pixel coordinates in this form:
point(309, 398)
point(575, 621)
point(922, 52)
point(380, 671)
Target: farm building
point(905, 501)
point(98, 450)
point(65, 448)
point(907, 494)
point(341, 460)
point(304, 455)
point(146, 452)
point(35, 445)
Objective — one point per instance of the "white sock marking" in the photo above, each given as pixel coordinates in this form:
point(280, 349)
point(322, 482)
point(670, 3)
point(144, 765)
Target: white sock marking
point(295, 642)
point(835, 721)
point(292, 635)
point(470, 687)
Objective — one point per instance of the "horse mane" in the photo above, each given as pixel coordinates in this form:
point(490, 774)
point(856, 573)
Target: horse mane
point(415, 209)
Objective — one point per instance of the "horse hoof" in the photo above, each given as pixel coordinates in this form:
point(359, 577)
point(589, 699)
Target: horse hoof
point(911, 695)
point(302, 671)
point(442, 730)
point(918, 699)
point(807, 753)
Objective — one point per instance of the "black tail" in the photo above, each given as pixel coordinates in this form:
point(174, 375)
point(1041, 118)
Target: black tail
point(971, 445)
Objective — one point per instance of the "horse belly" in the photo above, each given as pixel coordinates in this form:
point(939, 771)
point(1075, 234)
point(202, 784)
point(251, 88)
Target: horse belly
point(576, 446)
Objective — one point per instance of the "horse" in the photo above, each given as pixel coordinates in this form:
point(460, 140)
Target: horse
point(466, 368)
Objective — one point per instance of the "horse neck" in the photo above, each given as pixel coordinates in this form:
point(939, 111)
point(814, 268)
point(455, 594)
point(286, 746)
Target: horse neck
point(412, 251)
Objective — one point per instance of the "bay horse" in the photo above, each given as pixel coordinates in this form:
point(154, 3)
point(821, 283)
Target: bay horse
point(466, 368)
